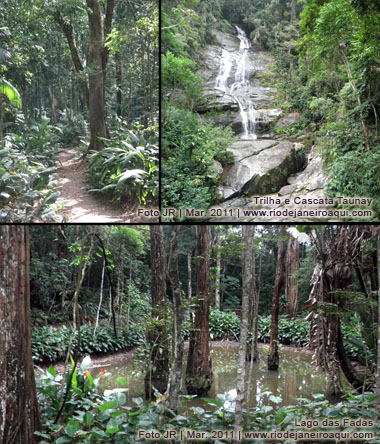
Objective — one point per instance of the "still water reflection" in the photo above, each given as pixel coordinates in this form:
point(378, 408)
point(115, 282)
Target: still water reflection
point(296, 377)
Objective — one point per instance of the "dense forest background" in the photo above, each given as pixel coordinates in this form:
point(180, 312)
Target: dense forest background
point(54, 261)
point(326, 67)
point(79, 75)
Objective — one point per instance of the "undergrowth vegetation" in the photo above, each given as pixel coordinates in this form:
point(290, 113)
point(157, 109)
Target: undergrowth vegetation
point(28, 179)
point(190, 146)
point(127, 167)
point(89, 417)
point(329, 77)
point(50, 344)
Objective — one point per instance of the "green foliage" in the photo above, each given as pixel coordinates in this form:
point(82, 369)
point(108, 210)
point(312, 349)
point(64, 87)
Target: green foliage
point(127, 167)
point(355, 345)
point(10, 92)
point(296, 332)
point(332, 82)
point(50, 343)
point(354, 170)
point(290, 331)
point(224, 325)
point(189, 147)
point(27, 176)
point(94, 419)
point(178, 79)
point(73, 128)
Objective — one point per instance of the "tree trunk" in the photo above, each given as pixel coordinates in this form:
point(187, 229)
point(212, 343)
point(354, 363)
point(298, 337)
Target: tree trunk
point(157, 335)
point(68, 30)
point(189, 273)
point(273, 357)
point(292, 266)
point(255, 326)
point(378, 332)
point(334, 382)
point(199, 371)
point(93, 91)
point(218, 268)
point(100, 298)
point(1, 116)
point(175, 377)
point(247, 276)
point(119, 83)
point(19, 417)
point(96, 78)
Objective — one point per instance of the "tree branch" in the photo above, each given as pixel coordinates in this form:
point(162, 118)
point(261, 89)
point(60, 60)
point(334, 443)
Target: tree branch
point(68, 30)
point(107, 27)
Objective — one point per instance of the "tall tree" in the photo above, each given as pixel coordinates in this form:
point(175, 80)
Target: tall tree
point(218, 270)
point(273, 357)
point(217, 243)
point(93, 90)
point(255, 316)
point(292, 266)
point(157, 335)
point(175, 377)
point(247, 276)
point(338, 250)
point(19, 417)
point(199, 370)
point(378, 332)
point(98, 59)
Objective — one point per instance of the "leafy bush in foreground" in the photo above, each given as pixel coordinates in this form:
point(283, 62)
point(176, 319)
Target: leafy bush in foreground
point(90, 418)
point(127, 167)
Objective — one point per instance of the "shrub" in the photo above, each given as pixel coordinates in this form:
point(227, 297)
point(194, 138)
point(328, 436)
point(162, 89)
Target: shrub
point(90, 418)
point(127, 167)
point(224, 325)
point(27, 178)
point(290, 331)
point(51, 343)
point(189, 147)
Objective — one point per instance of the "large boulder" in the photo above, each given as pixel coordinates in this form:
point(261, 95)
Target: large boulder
point(261, 167)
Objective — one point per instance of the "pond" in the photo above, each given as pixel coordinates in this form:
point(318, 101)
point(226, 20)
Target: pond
point(295, 378)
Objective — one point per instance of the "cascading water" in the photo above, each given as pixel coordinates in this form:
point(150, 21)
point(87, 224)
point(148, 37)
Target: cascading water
point(240, 84)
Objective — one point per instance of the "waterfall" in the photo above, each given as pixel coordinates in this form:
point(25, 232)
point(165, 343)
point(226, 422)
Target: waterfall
point(240, 84)
point(224, 71)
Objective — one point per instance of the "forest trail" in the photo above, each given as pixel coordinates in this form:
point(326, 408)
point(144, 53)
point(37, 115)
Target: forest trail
point(79, 204)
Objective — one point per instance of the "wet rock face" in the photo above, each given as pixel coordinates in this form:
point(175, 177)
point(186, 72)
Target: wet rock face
point(306, 184)
point(261, 167)
point(264, 164)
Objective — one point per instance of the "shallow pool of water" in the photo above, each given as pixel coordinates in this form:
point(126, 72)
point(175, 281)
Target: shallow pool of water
point(295, 378)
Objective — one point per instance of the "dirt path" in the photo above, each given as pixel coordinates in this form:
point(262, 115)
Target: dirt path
point(82, 206)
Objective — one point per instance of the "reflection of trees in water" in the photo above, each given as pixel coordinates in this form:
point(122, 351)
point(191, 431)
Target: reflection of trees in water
point(296, 376)
point(289, 392)
point(216, 382)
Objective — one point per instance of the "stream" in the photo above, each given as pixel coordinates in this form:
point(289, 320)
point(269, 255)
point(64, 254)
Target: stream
point(239, 89)
point(296, 377)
